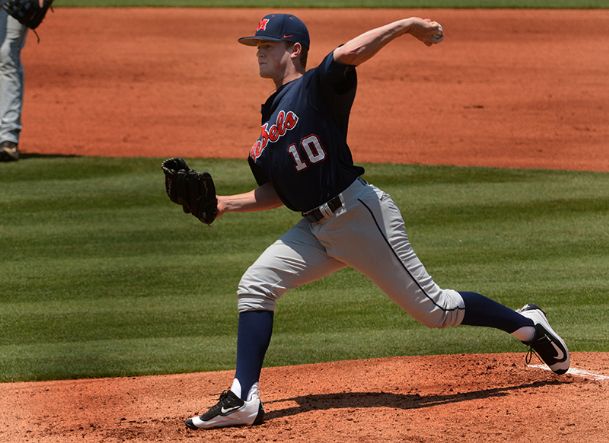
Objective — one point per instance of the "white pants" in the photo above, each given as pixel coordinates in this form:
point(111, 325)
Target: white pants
point(369, 235)
point(12, 39)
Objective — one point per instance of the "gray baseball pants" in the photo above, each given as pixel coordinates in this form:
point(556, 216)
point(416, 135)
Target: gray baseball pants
point(367, 234)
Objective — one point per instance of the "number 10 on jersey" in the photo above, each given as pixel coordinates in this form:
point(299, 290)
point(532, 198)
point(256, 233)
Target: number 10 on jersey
point(313, 150)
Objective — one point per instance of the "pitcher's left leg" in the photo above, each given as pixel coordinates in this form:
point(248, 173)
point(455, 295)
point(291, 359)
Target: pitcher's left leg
point(371, 237)
point(377, 245)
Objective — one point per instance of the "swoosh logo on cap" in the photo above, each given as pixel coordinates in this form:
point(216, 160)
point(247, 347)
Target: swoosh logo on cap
point(288, 35)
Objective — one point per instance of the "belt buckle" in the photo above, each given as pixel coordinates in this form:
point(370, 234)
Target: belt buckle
point(325, 210)
point(342, 208)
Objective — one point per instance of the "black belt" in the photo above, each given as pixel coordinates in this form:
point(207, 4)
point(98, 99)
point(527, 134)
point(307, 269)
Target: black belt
point(314, 215)
point(328, 208)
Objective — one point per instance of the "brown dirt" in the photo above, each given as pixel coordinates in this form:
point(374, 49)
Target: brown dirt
point(441, 398)
point(507, 88)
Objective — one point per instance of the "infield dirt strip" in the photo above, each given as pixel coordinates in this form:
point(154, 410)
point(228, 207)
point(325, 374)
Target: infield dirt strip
point(506, 88)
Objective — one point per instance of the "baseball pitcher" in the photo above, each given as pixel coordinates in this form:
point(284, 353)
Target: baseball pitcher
point(301, 159)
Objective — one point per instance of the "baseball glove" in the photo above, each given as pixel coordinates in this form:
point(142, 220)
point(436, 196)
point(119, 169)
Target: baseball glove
point(194, 191)
point(27, 12)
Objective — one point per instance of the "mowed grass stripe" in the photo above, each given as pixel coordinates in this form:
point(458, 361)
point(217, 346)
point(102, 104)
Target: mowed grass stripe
point(101, 275)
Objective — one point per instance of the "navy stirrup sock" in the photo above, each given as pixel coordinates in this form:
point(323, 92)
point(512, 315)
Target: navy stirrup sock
point(253, 338)
point(482, 311)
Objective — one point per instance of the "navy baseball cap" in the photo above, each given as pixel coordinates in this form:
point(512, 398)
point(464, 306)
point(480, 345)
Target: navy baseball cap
point(277, 28)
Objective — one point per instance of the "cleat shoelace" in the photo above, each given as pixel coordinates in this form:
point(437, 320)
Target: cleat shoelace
point(529, 356)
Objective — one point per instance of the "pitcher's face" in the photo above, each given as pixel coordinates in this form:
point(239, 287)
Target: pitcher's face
point(273, 58)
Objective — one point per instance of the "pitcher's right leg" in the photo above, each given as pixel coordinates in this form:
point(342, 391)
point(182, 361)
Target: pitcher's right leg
point(293, 260)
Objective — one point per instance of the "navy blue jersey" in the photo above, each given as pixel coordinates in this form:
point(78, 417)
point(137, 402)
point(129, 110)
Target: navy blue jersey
point(302, 149)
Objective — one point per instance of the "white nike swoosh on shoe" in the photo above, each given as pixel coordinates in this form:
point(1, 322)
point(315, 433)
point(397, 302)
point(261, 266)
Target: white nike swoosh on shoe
point(560, 355)
point(229, 410)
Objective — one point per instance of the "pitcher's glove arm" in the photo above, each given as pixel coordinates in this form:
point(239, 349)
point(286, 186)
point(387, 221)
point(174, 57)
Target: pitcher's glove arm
point(194, 191)
point(27, 12)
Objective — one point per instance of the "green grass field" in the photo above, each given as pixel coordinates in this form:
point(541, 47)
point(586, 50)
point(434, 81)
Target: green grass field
point(346, 3)
point(100, 275)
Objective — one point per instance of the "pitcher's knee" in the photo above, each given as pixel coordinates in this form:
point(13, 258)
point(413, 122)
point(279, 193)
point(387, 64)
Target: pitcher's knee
point(252, 302)
point(443, 311)
point(255, 294)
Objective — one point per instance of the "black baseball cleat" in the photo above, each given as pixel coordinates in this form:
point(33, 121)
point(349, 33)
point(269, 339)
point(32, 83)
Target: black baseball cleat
point(230, 411)
point(547, 344)
point(9, 151)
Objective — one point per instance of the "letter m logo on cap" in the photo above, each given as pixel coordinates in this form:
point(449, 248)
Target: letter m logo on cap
point(262, 24)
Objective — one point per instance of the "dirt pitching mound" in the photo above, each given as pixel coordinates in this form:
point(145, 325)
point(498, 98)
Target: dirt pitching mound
point(438, 398)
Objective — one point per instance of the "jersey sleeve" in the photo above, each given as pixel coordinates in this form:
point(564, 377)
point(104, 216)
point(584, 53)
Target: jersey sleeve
point(333, 89)
point(335, 77)
point(259, 175)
